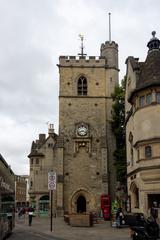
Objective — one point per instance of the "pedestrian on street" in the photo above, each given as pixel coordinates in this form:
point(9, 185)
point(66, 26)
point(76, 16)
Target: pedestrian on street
point(154, 215)
point(154, 211)
point(21, 213)
point(119, 217)
point(30, 215)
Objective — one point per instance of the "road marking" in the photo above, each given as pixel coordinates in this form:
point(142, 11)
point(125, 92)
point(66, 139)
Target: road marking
point(39, 235)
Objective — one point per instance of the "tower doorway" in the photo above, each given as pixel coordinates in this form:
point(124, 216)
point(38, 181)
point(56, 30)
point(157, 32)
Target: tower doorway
point(81, 204)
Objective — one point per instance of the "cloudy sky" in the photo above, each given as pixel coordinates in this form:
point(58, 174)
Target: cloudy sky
point(33, 33)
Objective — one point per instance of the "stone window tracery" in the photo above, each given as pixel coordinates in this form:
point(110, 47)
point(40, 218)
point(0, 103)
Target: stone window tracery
point(82, 86)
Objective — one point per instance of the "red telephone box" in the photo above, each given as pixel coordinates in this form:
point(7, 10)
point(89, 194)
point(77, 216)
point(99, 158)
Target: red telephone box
point(106, 206)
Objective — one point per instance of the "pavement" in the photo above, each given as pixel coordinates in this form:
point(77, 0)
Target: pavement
point(61, 230)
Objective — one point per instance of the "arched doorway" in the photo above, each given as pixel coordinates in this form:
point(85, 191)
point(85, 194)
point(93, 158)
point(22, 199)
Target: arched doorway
point(81, 200)
point(81, 204)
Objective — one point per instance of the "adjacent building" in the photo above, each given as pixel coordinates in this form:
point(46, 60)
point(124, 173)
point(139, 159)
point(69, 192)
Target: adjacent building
point(43, 159)
point(7, 186)
point(20, 191)
point(142, 128)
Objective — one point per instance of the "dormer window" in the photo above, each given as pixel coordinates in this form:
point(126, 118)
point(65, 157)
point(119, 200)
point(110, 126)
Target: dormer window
point(82, 86)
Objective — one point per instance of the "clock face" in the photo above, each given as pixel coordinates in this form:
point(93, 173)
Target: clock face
point(82, 131)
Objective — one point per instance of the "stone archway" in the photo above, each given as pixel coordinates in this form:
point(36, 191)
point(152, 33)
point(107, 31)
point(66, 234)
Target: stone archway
point(82, 200)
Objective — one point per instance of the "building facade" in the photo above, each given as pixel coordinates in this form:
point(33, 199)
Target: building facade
point(7, 186)
point(82, 153)
point(20, 191)
point(43, 159)
point(142, 128)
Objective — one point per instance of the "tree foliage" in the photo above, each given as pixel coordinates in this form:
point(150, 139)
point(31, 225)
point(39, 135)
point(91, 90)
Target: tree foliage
point(118, 128)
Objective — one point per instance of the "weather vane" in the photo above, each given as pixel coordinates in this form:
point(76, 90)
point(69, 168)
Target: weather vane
point(82, 45)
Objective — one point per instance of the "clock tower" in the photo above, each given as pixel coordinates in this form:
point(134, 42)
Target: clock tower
point(86, 143)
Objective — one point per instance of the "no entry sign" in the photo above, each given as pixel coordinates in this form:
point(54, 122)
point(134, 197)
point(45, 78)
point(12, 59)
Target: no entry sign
point(52, 180)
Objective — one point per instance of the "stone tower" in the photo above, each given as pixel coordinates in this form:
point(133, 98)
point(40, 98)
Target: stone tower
point(86, 143)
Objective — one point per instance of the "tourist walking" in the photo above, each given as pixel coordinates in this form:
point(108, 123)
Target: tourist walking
point(30, 215)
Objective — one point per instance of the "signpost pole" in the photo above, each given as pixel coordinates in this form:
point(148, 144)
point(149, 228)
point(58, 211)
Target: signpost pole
point(51, 208)
point(51, 187)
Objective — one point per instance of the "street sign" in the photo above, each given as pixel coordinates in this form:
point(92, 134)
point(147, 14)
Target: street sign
point(52, 180)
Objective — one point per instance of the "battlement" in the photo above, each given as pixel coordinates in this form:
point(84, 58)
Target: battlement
point(82, 60)
point(108, 44)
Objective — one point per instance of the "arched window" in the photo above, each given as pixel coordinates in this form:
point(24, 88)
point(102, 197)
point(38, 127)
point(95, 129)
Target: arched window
point(82, 86)
point(148, 152)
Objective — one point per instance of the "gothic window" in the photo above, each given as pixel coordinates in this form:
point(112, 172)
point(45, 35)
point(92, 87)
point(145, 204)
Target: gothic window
point(82, 86)
point(148, 152)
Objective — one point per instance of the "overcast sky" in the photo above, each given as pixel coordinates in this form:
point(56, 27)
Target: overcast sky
point(33, 33)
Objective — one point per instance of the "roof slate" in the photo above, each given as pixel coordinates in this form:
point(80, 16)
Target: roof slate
point(150, 71)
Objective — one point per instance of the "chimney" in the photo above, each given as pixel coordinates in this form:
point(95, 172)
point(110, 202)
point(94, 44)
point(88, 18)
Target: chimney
point(42, 138)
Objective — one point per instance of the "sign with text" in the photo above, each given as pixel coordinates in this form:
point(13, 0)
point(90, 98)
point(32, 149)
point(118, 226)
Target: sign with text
point(52, 180)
